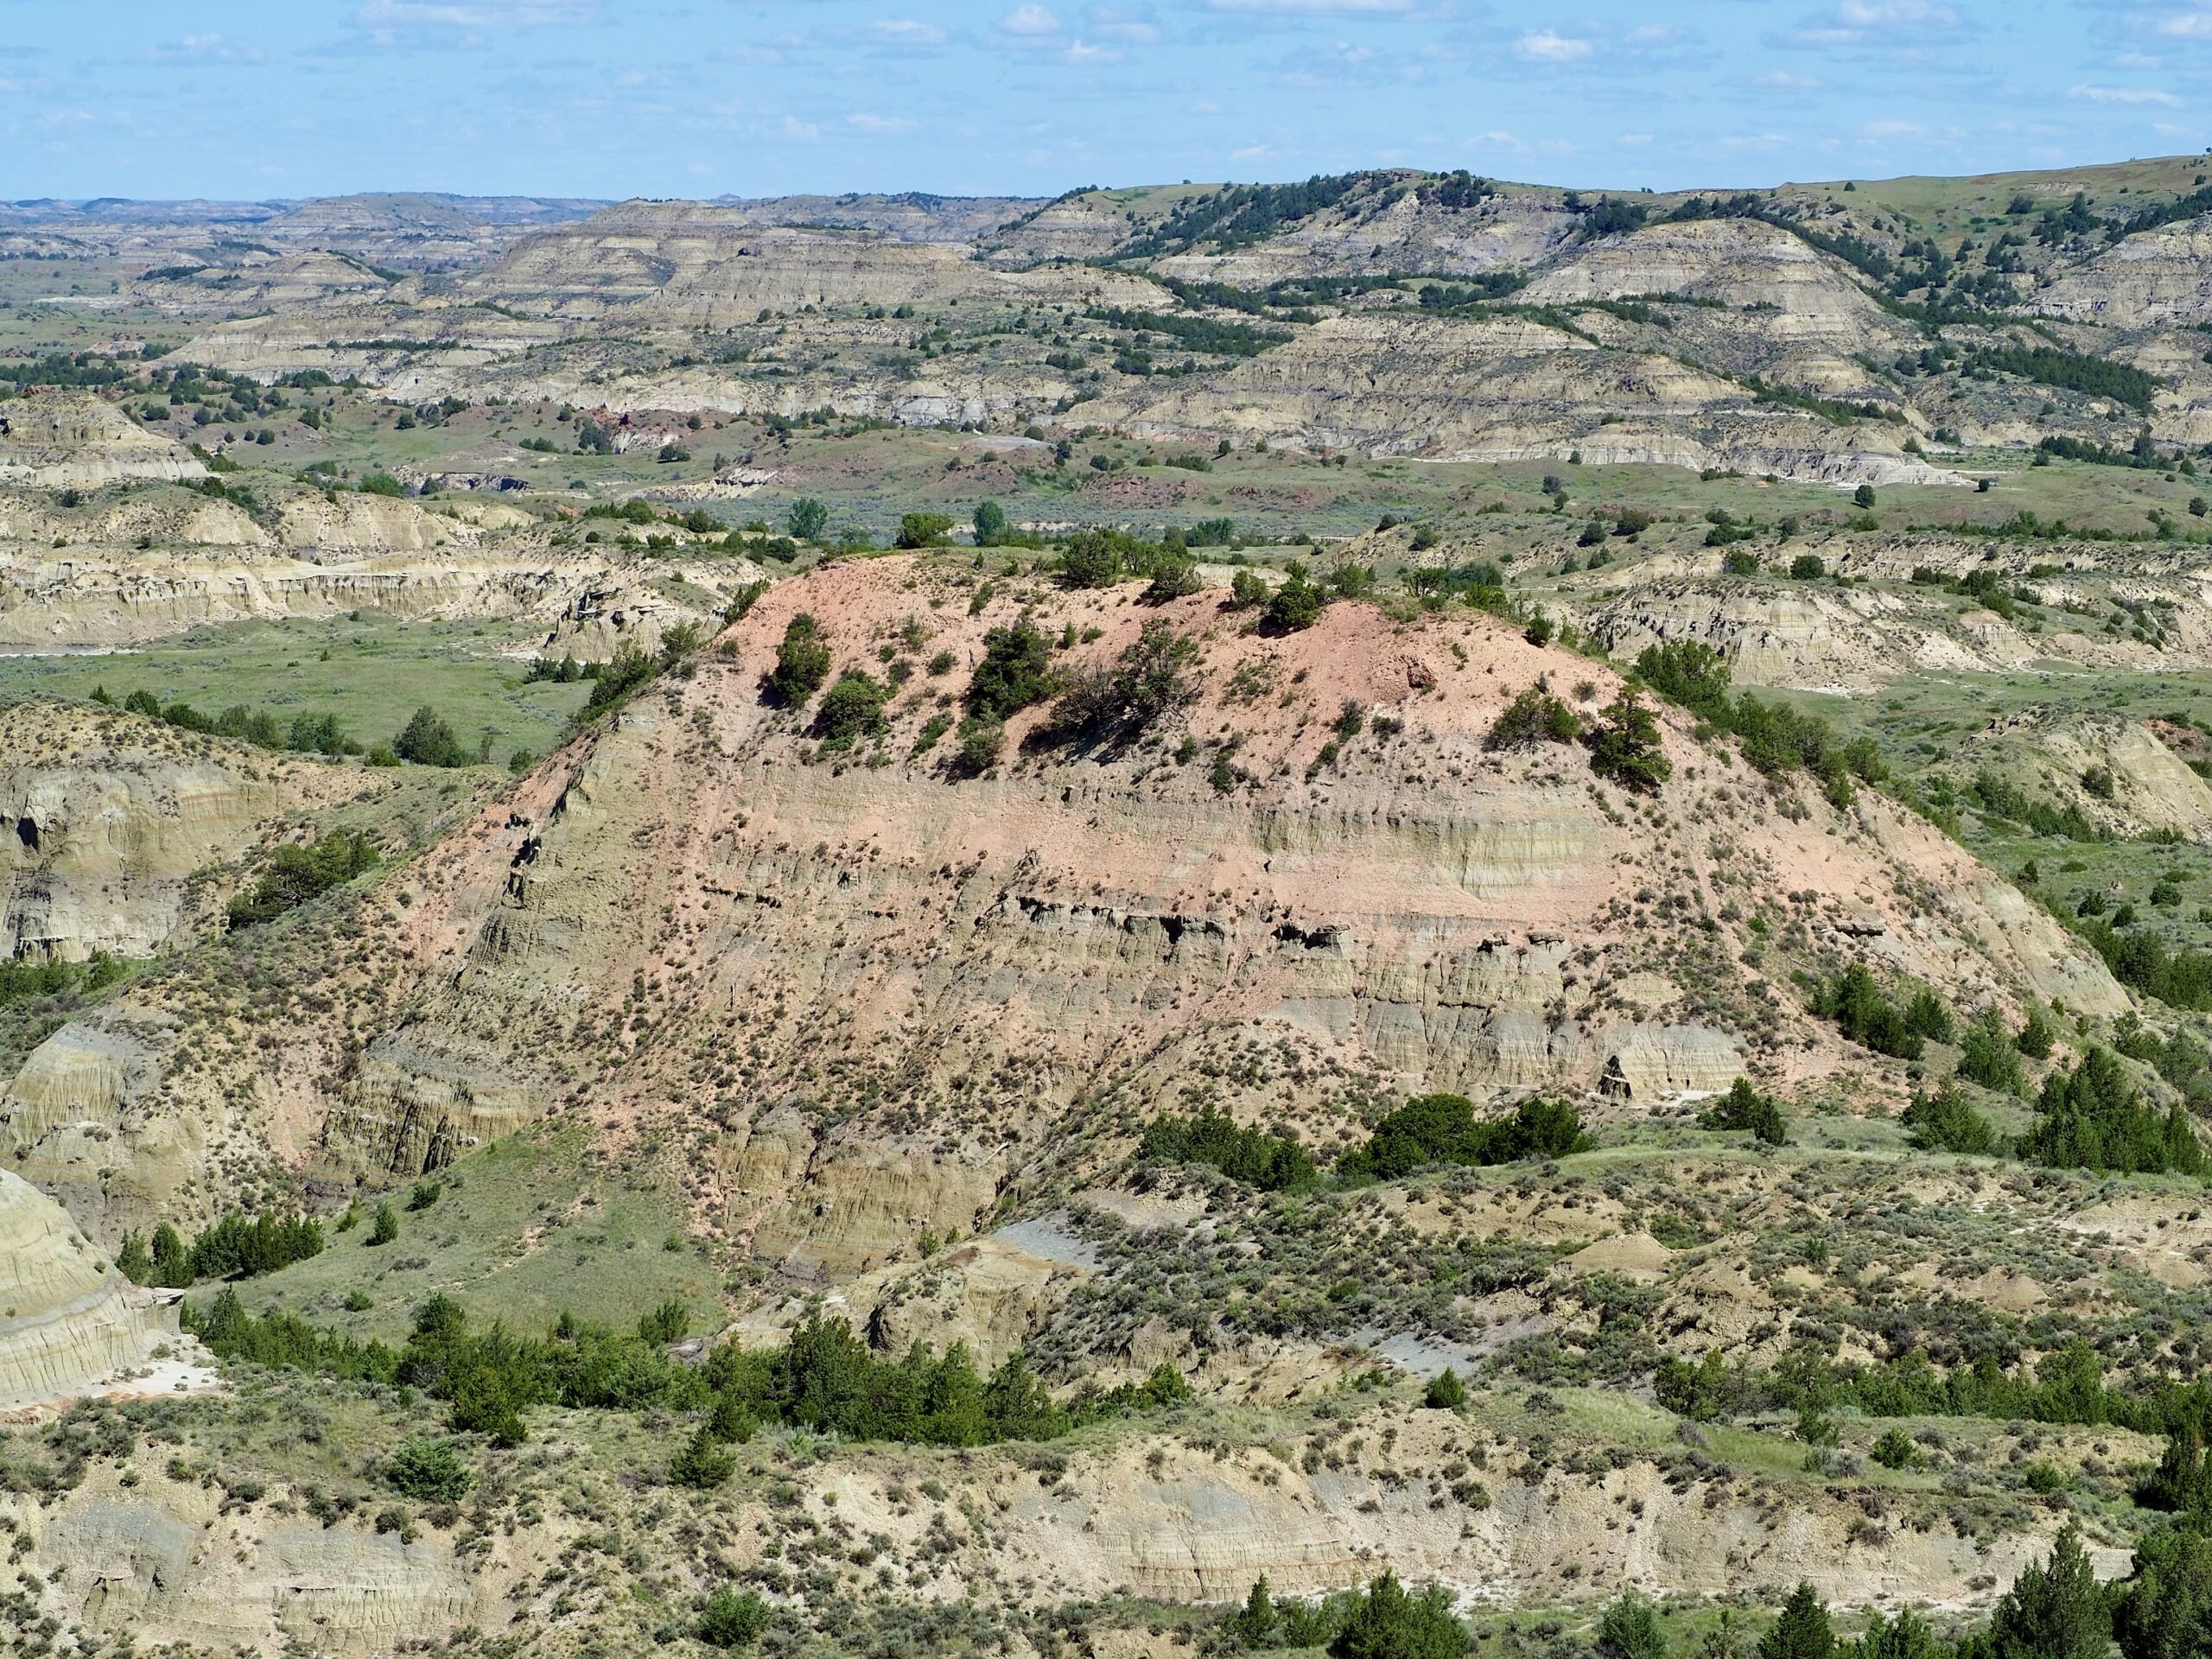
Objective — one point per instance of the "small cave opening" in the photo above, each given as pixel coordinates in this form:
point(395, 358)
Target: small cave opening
point(27, 832)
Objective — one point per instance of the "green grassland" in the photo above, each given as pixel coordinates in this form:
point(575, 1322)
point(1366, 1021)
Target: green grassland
point(523, 1230)
point(373, 674)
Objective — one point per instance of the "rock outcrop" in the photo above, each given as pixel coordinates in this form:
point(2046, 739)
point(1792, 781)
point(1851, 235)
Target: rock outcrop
point(109, 818)
point(836, 963)
point(71, 440)
point(70, 1323)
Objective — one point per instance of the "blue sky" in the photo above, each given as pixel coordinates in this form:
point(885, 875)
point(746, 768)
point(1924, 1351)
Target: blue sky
point(620, 98)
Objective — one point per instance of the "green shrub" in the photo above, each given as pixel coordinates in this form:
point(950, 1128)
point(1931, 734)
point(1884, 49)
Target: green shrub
point(385, 1228)
point(732, 1619)
point(1443, 1129)
point(1944, 1122)
point(1631, 1629)
point(807, 520)
point(1295, 606)
point(977, 752)
point(428, 1471)
point(612, 681)
point(1271, 1162)
point(1744, 1108)
point(666, 1324)
point(1015, 672)
point(1093, 558)
point(429, 740)
point(852, 708)
point(1533, 717)
point(296, 874)
point(701, 1463)
point(1895, 1450)
point(1446, 1392)
point(802, 660)
point(923, 529)
point(1623, 744)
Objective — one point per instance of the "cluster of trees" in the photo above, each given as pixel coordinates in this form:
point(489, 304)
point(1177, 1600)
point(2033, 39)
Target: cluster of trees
point(1240, 214)
point(1997, 797)
point(1946, 1121)
point(24, 979)
point(2093, 376)
point(2056, 1609)
point(1744, 1107)
point(2093, 1117)
point(234, 1248)
point(1195, 332)
point(1273, 1163)
point(825, 1378)
point(1444, 1130)
point(2141, 959)
point(1430, 1130)
point(1383, 1621)
point(1774, 739)
point(1857, 1003)
point(304, 733)
point(294, 875)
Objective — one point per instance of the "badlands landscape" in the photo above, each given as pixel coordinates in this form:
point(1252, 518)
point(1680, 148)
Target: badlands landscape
point(1399, 916)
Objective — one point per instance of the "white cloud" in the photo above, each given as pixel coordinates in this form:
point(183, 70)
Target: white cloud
point(1250, 152)
point(477, 14)
point(1314, 8)
point(906, 31)
point(1496, 140)
point(1634, 140)
point(1547, 46)
point(1782, 81)
point(803, 132)
point(209, 49)
point(1030, 22)
point(867, 121)
point(1083, 52)
point(1895, 14)
point(1892, 130)
point(2187, 26)
point(1133, 27)
point(2123, 95)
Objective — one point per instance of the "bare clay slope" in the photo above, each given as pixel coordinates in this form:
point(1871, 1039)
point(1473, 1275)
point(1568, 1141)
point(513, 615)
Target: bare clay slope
point(899, 999)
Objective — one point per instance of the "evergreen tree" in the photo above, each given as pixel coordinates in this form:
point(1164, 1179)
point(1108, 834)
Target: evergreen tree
point(1387, 1623)
point(172, 1265)
point(1802, 1630)
point(2058, 1610)
point(1631, 1629)
point(802, 660)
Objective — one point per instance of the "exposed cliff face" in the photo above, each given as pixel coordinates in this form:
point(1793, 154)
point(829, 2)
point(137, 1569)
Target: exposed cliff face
point(2157, 278)
point(210, 562)
point(1799, 292)
point(68, 440)
point(109, 818)
point(847, 960)
point(69, 1323)
point(1505, 390)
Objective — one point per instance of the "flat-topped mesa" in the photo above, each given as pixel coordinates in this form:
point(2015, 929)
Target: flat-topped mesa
point(70, 1323)
point(66, 440)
